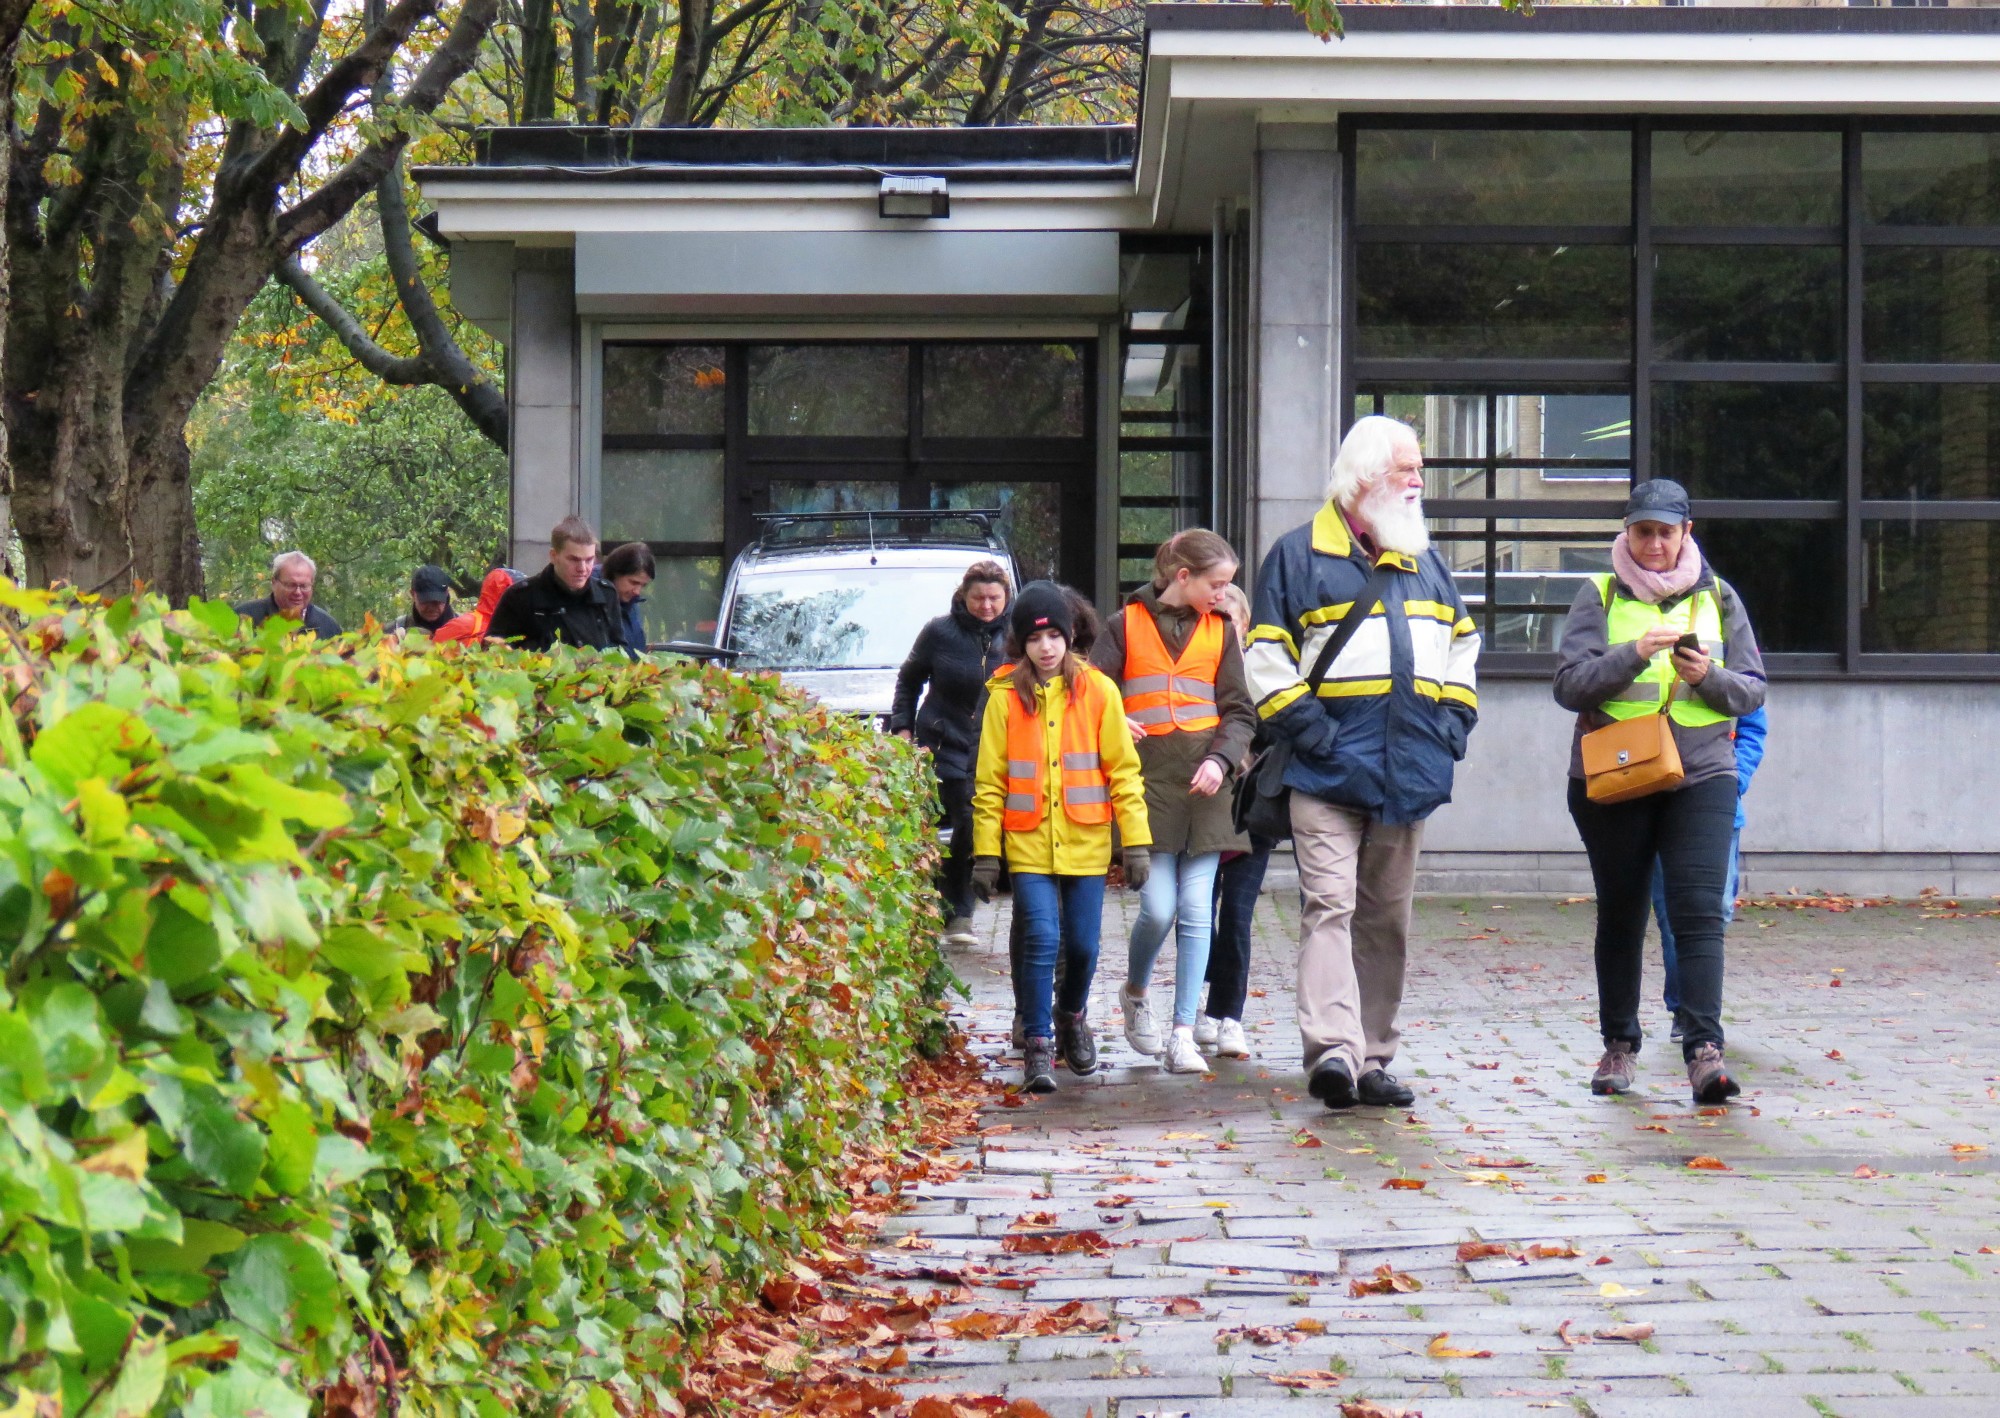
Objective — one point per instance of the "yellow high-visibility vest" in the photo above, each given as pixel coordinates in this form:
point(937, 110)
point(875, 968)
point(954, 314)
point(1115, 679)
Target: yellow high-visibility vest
point(1626, 620)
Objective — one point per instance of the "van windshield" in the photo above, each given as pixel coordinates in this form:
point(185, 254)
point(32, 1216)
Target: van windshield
point(849, 619)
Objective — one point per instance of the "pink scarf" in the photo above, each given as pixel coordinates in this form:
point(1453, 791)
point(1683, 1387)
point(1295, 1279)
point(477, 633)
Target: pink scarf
point(1653, 587)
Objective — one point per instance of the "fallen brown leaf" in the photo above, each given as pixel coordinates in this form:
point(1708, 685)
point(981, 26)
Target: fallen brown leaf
point(1387, 1281)
point(1369, 1408)
point(1597, 1177)
point(1868, 1173)
point(1551, 1250)
point(1307, 1380)
point(1404, 1184)
point(1183, 1305)
point(1629, 1333)
point(1307, 1139)
point(1309, 1327)
point(1483, 1250)
point(1054, 1243)
point(1707, 1164)
point(1440, 1348)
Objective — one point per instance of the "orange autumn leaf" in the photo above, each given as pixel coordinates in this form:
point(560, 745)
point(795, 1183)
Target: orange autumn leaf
point(1484, 1250)
point(1707, 1164)
point(1597, 1177)
point(1386, 1281)
point(1307, 1380)
point(1306, 1139)
point(1058, 1243)
point(1440, 1348)
point(1404, 1184)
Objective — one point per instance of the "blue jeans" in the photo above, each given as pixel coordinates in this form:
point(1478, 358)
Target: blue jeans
point(1054, 911)
point(1180, 890)
point(1669, 962)
point(1237, 887)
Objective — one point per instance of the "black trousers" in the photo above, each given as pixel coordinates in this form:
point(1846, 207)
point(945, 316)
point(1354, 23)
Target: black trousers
point(1237, 887)
point(955, 875)
point(1689, 831)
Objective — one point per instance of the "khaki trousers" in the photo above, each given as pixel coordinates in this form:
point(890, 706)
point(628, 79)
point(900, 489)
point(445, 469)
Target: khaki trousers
point(1357, 877)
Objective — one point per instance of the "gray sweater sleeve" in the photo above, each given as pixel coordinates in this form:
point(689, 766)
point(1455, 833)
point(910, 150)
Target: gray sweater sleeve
point(1589, 670)
point(1735, 685)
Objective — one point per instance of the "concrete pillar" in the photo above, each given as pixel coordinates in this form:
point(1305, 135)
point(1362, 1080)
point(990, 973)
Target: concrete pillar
point(1297, 330)
point(543, 388)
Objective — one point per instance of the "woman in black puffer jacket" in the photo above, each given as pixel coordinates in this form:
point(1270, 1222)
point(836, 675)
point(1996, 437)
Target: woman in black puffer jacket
point(955, 655)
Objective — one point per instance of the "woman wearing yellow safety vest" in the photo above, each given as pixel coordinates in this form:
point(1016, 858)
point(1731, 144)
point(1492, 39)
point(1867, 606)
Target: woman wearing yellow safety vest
point(1181, 672)
point(1056, 767)
point(1661, 630)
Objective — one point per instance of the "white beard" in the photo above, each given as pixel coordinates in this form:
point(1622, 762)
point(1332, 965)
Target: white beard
point(1397, 523)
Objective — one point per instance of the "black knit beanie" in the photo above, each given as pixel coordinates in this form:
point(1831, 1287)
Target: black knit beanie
point(1042, 606)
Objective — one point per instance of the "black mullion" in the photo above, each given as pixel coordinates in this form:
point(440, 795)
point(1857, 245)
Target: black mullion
point(1744, 372)
point(1347, 320)
point(1642, 302)
point(1852, 209)
point(740, 488)
point(662, 442)
point(1930, 373)
point(1490, 582)
point(664, 549)
point(910, 493)
point(1876, 234)
point(1744, 235)
point(1885, 510)
point(1531, 376)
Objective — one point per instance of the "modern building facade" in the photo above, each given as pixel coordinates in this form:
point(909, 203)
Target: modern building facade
point(1756, 250)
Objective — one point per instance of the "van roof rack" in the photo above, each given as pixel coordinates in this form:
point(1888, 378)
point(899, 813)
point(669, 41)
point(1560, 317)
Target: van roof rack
point(872, 526)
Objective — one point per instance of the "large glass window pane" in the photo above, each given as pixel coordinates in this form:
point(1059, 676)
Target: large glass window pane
point(1747, 303)
point(663, 389)
point(661, 496)
point(1594, 429)
point(1470, 176)
point(1750, 440)
point(1931, 587)
point(683, 599)
point(1003, 391)
point(1790, 576)
point(1930, 304)
point(1745, 178)
point(1162, 390)
point(1931, 179)
point(1424, 299)
point(1150, 472)
point(1030, 519)
point(1930, 442)
point(829, 390)
point(834, 495)
point(1156, 289)
point(1537, 566)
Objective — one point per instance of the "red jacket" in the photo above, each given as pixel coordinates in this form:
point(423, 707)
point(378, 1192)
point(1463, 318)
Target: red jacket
point(472, 625)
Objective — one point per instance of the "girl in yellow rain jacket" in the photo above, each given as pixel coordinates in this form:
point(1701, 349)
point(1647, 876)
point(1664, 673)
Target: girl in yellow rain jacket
point(1056, 768)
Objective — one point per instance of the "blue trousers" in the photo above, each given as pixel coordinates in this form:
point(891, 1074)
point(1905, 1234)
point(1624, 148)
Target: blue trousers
point(1237, 887)
point(1056, 913)
point(1178, 895)
point(1670, 995)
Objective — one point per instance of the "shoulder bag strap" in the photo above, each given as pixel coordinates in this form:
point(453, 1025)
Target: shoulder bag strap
point(1349, 625)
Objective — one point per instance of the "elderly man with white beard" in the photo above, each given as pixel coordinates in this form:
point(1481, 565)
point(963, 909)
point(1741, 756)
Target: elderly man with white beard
point(1372, 748)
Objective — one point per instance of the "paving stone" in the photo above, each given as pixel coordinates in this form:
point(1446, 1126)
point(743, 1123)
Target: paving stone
point(1784, 1280)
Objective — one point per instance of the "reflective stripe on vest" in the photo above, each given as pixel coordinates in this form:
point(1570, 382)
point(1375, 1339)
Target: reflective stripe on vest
point(1086, 792)
point(1627, 620)
point(1164, 694)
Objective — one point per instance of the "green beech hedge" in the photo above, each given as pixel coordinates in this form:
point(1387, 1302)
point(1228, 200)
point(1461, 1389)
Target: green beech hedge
point(472, 1024)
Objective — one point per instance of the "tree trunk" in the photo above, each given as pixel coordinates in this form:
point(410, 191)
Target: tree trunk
point(13, 14)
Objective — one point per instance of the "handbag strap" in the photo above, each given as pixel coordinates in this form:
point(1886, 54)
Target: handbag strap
point(1350, 625)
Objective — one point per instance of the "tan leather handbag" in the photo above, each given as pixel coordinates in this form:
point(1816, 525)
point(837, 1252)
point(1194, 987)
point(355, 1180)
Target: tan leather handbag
point(1631, 758)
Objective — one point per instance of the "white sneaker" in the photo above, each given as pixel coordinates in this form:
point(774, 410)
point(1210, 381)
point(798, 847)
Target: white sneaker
point(1230, 1042)
point(959, 932)
point(1204, 1030)
point(1182, 1055)
point(1140, 1031)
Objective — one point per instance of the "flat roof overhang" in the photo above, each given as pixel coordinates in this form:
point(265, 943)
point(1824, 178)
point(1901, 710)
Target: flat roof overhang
point(1213, 73)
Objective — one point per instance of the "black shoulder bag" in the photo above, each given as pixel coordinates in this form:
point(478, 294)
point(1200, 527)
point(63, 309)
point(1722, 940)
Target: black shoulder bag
point(1263, 804)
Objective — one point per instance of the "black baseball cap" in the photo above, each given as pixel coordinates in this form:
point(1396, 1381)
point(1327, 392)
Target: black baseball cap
point(1658, 500)
point(430, 583)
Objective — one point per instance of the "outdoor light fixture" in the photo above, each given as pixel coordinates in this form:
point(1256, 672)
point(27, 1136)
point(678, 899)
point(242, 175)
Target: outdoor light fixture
point(914, 197)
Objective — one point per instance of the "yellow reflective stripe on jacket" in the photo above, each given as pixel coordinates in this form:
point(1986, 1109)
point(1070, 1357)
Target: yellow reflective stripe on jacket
point(1627, 620)
point(1278, 702)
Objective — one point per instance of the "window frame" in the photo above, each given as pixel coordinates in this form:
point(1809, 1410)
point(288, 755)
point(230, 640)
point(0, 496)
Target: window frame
point(1640, 373)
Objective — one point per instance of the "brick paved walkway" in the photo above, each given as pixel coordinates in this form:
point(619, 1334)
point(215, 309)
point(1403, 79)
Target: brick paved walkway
point(1785, 1286)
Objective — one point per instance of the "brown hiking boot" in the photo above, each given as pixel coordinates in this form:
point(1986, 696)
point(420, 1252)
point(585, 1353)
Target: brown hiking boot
point(1709, 1076)
point(1617, 1069)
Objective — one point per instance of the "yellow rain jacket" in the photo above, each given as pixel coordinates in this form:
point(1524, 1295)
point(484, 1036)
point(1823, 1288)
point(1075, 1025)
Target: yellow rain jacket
point(1060, 846)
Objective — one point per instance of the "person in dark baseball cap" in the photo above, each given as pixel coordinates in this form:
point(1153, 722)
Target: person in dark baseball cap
point(430, 602)
point(1659, 500)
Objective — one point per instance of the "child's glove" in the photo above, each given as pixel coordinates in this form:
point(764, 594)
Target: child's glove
point(1138, 866)
point(985, 877)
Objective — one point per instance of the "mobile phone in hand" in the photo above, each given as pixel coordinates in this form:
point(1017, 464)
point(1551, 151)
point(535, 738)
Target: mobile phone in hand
point(1689, 641)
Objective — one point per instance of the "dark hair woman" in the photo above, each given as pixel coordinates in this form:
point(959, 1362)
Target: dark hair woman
point(1625, 654)
point(954, 655)
point(630, 571)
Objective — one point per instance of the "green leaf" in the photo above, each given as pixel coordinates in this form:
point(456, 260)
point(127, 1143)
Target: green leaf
point(219, 617)
point(293, 1148)
point(140, 1381)
point(234, 826)
point(106, 818)
point(223, 1147)
point(314, 810)
point(242, 1392)
point(200, 1241)
point(94, 740)
point(67, 1025)
point(180, 948)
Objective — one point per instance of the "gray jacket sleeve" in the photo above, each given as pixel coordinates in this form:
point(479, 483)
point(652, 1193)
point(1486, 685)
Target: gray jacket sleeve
point(1589, 670)
point(1736, 685)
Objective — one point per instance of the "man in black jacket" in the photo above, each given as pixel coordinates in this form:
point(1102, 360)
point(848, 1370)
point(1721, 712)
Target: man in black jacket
point(562, 602)
point(293, 577)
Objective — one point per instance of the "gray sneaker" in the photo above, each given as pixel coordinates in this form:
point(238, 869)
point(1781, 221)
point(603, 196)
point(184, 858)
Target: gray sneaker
point(958, 931)
point(1038, 1073)
point(1709, 1076)
point(1140, 1031)
point(1617, 1070)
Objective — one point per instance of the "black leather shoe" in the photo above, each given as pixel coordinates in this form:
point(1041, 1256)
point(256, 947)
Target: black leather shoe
point(1075, 1044)
point(1379, 1089)
point(1331, 1083)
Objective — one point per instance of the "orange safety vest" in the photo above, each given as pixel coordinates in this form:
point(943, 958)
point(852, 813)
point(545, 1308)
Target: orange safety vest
point(1165, 694)
point(1086, 792)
